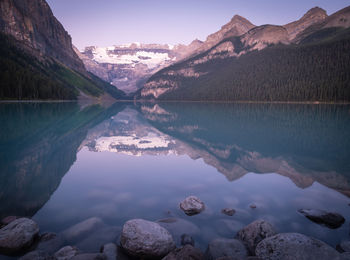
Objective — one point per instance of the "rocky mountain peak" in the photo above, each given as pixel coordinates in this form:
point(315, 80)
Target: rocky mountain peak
point(313, 16)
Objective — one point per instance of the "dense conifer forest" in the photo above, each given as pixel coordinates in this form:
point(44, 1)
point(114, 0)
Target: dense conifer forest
point(318, 69)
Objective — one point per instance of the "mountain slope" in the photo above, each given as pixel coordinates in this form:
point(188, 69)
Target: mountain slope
point(37, 58)
point(263, 65)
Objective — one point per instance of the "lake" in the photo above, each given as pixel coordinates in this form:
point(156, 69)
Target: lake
point(62, 163)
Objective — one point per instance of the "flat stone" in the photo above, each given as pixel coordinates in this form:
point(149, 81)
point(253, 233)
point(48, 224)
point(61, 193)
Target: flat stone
point(255, 232)
point(294, 246)
point(50, 243)
point(37, 255)
point(329, 219)
point(344, 246)
point(178, 227)
point(192, 205)
point(18, 235)
point(228, 211)
point(147, 239)
point(90, 257)
point(66, 253)
point(82, 229)
point(222, 247)
point(187, 252)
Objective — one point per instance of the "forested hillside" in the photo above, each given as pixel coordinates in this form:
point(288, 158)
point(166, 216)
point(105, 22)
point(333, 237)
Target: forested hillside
point(316, 70)
point(23, 77)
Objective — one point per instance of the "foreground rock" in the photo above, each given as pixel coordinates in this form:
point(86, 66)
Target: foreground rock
point(7, 220)
point(147, 239)
point(37, 255)
point(192, 205)
point(221, 247)
point(294, 246)
point(18, 235)
point(187, 252)
point(328, 219)
point(82, 229)
point(228, 211)
point(66, 253)
point(255, 232)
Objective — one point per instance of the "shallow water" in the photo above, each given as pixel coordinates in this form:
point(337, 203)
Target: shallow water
point(62, 164)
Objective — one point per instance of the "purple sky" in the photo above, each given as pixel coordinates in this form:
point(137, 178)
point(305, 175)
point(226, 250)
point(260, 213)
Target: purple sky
point(109, 22)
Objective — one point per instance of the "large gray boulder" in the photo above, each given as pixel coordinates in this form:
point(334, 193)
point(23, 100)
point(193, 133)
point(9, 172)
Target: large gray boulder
point(146, 239)
point(187, 252)
point(290, 246)
point(82, 229)
point(18, 235)
point(255, 232)
point(222, 247)
point(192, 205)
point(329, 219)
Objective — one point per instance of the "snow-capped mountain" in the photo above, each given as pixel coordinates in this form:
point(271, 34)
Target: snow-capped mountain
point(128, 66)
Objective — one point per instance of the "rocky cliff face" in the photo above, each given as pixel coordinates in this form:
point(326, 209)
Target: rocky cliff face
point(129, 66)
point(33, 24)
point(313, 16)
point(237, 38)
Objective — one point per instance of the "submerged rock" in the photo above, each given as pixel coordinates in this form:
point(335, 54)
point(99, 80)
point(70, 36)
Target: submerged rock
point(329, 219)
point(252, 206)
point(344, 246)
point(294, 246)
point(178, 227)
point(192, 205)
point(37, 255)
point(66, 253)
point(255, 232)
point(50, 243)
point(82, 229)
point(187, 252)
point(93, 242)
point(147, 239)
point(90, 257)
point(222, 247)
point(228, 211)
point(110, 250)
point(18, 235)
point(187, 240)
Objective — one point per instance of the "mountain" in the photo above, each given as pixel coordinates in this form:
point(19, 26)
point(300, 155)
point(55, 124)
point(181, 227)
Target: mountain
point(37, 59)
point(129, 66)
point(267, 63)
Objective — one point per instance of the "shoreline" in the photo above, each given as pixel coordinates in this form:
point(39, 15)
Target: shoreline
point(188, 101)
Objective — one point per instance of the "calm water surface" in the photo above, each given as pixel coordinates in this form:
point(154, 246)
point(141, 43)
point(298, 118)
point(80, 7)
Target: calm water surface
point(61, 164)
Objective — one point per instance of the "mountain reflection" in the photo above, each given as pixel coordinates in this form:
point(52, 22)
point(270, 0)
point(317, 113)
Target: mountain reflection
point(38, 145)
point(305, 143)
point(39, 142)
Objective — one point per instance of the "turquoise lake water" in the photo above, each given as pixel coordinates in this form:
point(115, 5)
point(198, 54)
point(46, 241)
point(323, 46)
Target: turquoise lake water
point(62, 163)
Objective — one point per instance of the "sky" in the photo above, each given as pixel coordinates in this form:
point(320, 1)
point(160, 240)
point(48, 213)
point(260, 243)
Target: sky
point(111, 22)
